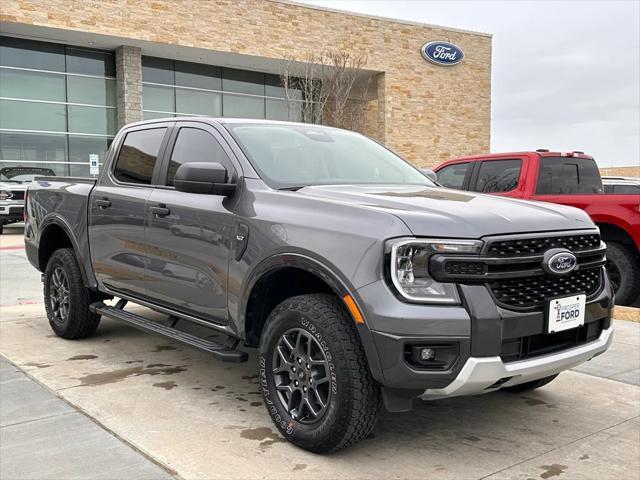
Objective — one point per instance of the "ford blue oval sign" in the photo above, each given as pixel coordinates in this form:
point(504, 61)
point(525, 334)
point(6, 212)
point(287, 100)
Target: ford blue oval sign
point(442, 53)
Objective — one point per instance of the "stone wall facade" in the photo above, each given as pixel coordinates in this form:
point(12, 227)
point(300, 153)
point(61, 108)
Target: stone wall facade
point(129, 84)
point(425, 112)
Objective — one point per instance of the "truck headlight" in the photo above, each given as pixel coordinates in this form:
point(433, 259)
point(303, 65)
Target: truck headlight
point(409, 268)
point(5, 195)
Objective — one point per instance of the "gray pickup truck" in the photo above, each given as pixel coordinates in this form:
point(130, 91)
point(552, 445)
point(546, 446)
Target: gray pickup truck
point(361, 283)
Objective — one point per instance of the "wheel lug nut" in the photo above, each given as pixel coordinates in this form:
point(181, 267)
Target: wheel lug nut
point(293, 369)
point(299, 360)
point(308, 367)
point(311, 380)
point(304, 389)
point(296, 383)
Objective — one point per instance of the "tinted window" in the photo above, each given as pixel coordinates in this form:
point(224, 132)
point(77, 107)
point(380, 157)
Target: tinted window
point(627, 189)
point(452, 176)
point(195, 145)
point(568, 175)
point(498, 176)
point(138, 156)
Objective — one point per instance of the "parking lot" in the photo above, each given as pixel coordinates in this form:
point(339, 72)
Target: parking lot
point(124, 404)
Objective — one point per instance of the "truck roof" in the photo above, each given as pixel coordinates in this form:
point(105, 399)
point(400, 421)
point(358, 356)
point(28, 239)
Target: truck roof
point(529, 152)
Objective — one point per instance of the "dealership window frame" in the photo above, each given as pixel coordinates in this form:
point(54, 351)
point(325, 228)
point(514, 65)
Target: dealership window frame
point(71, 60)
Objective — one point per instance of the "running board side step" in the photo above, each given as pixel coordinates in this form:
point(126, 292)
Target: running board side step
point(226, 353)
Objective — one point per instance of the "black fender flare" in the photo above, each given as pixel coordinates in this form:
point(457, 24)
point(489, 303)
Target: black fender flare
point(329, 275)
point(83, 255)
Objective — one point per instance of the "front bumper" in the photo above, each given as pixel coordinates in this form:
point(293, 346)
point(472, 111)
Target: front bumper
point(11, 211)
point(492, 343)
point(487, 374)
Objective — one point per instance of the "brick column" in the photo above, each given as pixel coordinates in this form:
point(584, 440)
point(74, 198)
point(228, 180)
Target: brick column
point(129, 84)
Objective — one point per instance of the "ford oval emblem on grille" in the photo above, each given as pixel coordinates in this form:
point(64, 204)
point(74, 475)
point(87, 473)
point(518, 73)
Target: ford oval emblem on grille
point(559, 261)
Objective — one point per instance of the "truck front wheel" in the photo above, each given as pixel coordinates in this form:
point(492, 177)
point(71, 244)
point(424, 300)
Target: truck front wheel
point(314, 375)
point(66, 299)
point(623, 267)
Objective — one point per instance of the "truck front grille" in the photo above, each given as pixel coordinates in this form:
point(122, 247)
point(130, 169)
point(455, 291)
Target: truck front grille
point(532, 292)
point(539, 245)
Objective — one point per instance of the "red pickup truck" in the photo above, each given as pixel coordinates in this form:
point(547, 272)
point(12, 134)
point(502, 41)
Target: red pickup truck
point(569, 179)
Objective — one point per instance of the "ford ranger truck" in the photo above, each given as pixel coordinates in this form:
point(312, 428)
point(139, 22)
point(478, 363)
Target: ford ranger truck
point(361, 283)
point(567, 178)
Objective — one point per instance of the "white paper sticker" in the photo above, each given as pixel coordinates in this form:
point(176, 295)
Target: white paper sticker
point(94, 167)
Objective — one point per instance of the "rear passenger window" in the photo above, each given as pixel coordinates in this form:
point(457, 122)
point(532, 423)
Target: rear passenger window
point(498, 176)
point(627, 189)
point(568, 175)
point(138, 156)
point(195, 145)
point(452, 176)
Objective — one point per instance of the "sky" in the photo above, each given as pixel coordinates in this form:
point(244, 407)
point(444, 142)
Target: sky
point(566, 74)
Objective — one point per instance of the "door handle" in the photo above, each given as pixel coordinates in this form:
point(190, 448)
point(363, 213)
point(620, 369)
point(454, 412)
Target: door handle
point(102, 203)
point(160, 211)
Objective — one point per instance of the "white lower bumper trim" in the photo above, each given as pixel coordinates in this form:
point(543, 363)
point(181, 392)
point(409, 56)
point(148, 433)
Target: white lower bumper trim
point(479, 373)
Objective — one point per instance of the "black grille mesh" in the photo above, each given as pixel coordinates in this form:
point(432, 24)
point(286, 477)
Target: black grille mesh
point(17, 195)
point(532, 292)
point(453, 267)
point(537, 246)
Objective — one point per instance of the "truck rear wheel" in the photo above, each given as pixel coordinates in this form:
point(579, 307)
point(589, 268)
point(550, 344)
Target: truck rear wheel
point(623, 267)
point(528, 386)
point(66, 299)
point(314, 375)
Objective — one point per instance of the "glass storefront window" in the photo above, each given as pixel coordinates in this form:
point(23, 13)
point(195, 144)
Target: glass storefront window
point(80, 147)
point(158, 70)
point(250, 94)
point(238, 106)
point(33, 147)
point(243, 81)
point(19, 115)
point(32, 85)
point(41, 85)
point(158, 98)
point(91, 91)
point(198, 76)
point(17, 52)
point(90, 62)
point(198, 102)
point(153, 115)
point(92, 120)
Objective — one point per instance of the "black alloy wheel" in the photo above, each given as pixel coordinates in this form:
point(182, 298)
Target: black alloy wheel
point(301, 376)
point(59, 295)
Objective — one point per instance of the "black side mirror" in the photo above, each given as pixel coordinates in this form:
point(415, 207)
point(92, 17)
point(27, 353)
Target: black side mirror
point(430, 174)
point(203, 177)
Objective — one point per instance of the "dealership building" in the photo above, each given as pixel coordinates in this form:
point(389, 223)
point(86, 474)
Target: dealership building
point(72, 73)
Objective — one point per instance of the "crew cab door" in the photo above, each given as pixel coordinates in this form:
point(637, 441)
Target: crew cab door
point(499, 176)
point(117, 209)
point(189, 234)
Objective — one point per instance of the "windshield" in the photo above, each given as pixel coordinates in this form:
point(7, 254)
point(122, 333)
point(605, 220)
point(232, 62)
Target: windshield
point(23, 174)
point(290, 156)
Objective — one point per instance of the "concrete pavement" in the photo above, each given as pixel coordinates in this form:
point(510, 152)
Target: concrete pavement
point(41, 436)
point(204, 419)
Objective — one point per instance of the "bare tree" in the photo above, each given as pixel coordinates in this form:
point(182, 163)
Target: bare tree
point(319, 88)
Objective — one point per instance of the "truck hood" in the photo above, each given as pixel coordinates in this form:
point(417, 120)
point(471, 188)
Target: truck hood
point(14, 186)
point(433, 211)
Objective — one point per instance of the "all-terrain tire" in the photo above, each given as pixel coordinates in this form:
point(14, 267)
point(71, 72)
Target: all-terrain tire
point(627, 263)
point(354, 404)
point(525, 387)
point(77, 321)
